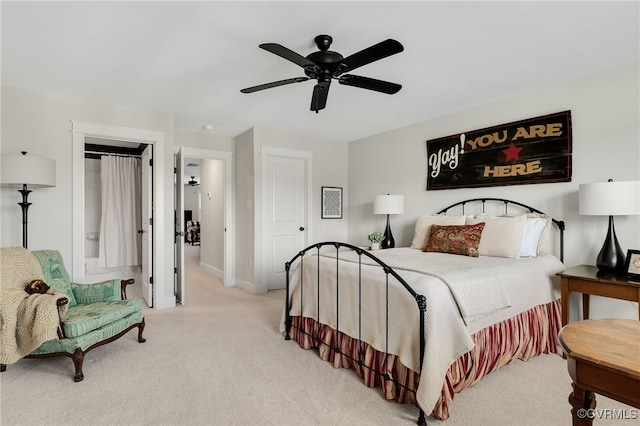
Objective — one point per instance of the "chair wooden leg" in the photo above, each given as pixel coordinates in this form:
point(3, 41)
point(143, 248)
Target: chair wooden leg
point(140, 330)
point(78, 359)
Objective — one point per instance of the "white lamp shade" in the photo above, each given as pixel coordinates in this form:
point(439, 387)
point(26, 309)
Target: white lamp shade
point(388, 204)
point(609, 198)
point(33, 170)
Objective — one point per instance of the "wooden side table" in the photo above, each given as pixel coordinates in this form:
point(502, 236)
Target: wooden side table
point(586, 279)
point(602, 357)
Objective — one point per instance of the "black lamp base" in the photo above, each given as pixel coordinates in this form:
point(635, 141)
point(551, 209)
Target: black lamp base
point(611, 257)
point(388, 241)
point(25, 207)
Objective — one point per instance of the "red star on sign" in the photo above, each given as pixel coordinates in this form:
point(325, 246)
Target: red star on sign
point(512, 153)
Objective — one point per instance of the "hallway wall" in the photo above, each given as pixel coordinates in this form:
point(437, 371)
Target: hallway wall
point(212, 221)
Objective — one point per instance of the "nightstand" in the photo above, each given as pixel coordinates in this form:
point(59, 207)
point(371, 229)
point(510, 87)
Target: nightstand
point(602, 357)
point(586, 279)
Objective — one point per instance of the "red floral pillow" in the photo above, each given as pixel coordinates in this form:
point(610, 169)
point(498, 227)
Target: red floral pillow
point(455, 239)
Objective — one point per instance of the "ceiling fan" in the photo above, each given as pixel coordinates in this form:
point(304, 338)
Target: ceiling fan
point(193, 181)
point(326, 65)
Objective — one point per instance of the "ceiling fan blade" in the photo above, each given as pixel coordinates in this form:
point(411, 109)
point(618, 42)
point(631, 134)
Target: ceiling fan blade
point(274, 84)
point(370, 54)
point(319, 98)
point(370, 83)
point(288, 54)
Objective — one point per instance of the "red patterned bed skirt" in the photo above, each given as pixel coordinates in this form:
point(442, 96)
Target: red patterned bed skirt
point(528, 334)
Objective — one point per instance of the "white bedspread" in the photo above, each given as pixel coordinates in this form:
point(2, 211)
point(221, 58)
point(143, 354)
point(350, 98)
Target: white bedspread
point(477, 284)
point(485, 290)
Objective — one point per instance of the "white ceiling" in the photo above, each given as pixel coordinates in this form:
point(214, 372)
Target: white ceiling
point(193, 58)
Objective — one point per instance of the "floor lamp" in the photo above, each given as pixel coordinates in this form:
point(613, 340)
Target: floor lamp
point(610, 199)
point(388, 204)
point(27, 171)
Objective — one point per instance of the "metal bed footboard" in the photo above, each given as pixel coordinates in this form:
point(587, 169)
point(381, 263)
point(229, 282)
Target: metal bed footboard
point(420, 302)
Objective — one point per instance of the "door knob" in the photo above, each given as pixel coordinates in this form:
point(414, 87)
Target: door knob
point(302, 228)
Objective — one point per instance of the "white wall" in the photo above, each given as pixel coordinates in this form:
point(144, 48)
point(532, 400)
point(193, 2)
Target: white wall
point(212, 222)
point(204, 140)
point(329, 167)
point(40, 123)
point(191, 194)
point(330, 164)
point(245, 232)
point(605, 111)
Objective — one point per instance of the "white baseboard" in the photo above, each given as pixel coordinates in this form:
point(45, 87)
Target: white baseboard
point(241, 284)
point(219, 273)
point(247, 286)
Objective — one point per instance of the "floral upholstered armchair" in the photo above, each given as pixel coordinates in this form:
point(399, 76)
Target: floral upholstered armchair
point(84, 316)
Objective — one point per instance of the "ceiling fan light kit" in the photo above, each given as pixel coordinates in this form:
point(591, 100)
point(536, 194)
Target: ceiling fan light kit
point(326, 65)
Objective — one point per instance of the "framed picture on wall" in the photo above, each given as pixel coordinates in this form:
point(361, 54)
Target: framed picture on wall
point(632, 265)
point(331, 202)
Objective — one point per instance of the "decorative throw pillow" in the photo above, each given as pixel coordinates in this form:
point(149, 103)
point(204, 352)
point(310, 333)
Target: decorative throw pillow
point(455, 239)
point(423, 227)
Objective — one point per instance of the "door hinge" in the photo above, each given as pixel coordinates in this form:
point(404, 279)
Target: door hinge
point(150, 280)
point(175, 270)
point(151, 162)
point(175, 170)
point(150, 221)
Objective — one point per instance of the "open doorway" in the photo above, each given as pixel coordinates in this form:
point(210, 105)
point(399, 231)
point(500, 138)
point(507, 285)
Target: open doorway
point(107, 255)
point(192, 201)
point(157, 296)
point(204, 193)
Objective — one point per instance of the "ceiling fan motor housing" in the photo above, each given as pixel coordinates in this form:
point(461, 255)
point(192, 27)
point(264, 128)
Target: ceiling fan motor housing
point(326, 60)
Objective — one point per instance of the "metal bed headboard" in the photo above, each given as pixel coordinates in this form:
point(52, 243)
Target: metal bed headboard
point(559, 223)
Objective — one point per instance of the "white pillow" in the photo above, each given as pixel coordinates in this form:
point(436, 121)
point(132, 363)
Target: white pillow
point(543, 244)
point(500, 237)
point(531, 236)
point(423, 227)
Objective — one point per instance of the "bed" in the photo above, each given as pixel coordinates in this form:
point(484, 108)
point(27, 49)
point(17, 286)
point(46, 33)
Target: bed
point(427, 321)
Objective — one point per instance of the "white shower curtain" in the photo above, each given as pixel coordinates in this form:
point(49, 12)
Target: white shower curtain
point(121, 215)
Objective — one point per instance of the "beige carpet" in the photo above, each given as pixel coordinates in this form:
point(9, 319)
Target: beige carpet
point(219, 360)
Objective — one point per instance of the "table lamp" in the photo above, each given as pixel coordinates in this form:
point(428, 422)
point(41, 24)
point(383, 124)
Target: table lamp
point(388, 204)
point(610, 199)
point(27, 171)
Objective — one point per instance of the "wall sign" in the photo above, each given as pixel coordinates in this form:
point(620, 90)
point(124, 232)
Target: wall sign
point(536, 150)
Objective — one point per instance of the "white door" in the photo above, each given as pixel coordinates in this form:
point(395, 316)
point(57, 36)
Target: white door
point(179, 228)
point(284, 215)
point(147, 229)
